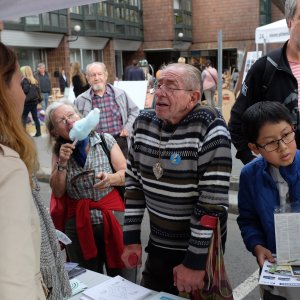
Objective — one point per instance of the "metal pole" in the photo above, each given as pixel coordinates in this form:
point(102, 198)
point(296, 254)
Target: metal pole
point(220, 68)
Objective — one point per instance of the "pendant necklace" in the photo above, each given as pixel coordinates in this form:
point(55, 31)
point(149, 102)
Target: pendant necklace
point(158, 169)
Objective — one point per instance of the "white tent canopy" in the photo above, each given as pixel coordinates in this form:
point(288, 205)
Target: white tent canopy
point(276, 32)
point(12, 9)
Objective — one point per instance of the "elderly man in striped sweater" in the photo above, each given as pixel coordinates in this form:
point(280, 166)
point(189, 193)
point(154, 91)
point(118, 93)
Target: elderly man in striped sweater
point(178, 168)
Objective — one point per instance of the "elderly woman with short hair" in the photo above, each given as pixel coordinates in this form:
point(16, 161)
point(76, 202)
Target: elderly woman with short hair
point(83, 174)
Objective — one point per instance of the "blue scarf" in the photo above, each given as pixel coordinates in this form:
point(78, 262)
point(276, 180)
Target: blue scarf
point(79, 153)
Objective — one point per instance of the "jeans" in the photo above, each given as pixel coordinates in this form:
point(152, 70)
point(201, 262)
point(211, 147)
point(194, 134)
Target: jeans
point(209, 96)
point(31, 108)
point(45, 97)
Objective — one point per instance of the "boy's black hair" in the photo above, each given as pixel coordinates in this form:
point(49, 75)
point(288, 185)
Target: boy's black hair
point(261, 113)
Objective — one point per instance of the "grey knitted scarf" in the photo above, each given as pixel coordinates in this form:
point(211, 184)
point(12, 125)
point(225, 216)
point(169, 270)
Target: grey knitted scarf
point(52, 266)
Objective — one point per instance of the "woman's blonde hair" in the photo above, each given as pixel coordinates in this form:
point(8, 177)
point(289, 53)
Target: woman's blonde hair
point(76, 70)
point(27, 73)
point(12, 131)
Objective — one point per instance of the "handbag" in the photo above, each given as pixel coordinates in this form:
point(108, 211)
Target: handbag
point(120, 189)
point(217, 285)
point(40, 98)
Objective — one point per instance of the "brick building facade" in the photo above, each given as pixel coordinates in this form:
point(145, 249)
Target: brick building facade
point(161, 41)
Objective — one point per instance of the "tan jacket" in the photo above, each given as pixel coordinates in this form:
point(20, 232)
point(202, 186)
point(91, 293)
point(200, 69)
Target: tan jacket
point(19, 232)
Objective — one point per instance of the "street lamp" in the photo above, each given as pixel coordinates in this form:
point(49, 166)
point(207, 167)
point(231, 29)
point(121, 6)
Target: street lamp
point(180, 35)
point(77, 28)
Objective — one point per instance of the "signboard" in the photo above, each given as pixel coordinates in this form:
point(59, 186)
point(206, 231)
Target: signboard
point(136, 90)
point(252, 56)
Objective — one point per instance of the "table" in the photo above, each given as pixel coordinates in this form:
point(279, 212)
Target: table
point(91, 278)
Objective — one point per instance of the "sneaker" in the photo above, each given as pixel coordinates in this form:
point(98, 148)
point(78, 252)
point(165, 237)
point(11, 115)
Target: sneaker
point(37, 134)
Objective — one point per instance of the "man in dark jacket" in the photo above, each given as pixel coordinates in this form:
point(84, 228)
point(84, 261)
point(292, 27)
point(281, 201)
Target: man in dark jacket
point(44, 84)
point(134, 73)
point(273, 78)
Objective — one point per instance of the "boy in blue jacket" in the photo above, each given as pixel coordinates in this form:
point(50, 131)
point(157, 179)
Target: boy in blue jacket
point(268, 182)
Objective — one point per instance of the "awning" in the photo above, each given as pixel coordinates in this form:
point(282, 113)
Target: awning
point(93, 43)
point(126, 45)
point(30, 39)
point(276, 32)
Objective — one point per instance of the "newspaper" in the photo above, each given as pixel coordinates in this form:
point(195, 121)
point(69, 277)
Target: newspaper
point(287, 232)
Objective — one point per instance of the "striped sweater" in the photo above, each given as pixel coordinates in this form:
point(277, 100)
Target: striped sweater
point(194, 185)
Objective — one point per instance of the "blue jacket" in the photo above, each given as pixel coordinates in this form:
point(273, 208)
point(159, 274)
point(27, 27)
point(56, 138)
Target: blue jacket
point(258, 197)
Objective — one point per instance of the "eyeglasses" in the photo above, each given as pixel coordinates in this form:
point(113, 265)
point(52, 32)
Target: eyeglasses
point(169, 89)
point(274, 145)
point(65, 119)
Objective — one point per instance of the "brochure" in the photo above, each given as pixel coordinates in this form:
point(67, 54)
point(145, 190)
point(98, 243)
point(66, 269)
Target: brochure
point(279, 275)
point(116, 288)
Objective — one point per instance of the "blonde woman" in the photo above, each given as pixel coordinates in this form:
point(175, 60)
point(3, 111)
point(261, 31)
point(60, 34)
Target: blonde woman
point(31, 90)
point(20, 233)
point(78, 78)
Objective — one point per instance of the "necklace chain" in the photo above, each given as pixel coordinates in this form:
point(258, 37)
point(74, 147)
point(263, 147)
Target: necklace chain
point(158, 166)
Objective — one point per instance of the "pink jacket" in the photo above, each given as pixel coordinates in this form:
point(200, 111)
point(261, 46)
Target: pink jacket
point(210, 78)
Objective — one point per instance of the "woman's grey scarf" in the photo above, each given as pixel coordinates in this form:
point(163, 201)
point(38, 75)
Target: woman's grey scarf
point(52, 266)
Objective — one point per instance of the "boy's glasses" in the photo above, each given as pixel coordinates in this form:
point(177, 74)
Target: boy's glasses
point(274, 145)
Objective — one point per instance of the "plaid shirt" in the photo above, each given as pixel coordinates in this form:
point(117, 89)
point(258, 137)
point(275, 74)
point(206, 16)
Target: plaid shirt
point(111, 120)
point(80, 180)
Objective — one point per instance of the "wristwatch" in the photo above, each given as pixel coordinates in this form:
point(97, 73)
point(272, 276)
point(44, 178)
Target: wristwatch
point(61, 168)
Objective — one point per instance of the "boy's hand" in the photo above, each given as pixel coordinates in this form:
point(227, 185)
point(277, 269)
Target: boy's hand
point(262, 254)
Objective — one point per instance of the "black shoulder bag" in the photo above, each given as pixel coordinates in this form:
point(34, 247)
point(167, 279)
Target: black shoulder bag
point(120, 189)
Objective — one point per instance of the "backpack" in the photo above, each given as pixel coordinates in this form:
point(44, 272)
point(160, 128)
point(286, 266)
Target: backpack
point(270, 68)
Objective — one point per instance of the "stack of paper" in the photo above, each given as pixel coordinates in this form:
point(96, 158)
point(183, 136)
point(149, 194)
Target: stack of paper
point(116, 288)
point(77, 286)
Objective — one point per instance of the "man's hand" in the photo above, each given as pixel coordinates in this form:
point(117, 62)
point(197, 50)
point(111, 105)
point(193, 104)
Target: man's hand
point(124, 133)
point(262, 254)
point(132, 256)
point(188, 280)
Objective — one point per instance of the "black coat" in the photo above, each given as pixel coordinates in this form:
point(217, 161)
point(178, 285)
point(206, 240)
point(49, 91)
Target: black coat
point(31, 92)
point(63, 83)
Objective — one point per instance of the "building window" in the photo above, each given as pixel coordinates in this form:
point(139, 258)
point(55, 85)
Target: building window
point(46, 19)
point(85, 56)
point(90, 25)
point(105, 9)
point(32, 20)
point(63, 21)
point(75, 10)
point(265, 12)
point(182, 5)
point(30, 57)
point(54, 20)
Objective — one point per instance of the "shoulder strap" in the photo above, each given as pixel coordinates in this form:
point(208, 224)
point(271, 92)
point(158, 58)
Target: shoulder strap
point(105, 149)
point(211, 75)
point(270, 68)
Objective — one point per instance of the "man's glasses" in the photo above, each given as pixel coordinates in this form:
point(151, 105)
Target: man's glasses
point(166, 88)
point(65, 119)
point(274, 145)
